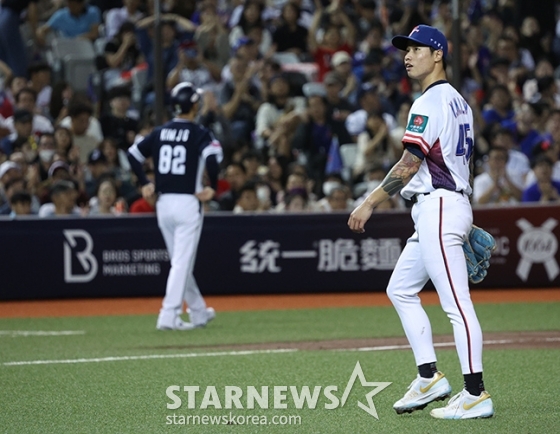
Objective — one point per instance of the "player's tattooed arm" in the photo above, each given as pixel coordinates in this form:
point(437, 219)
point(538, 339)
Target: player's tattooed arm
point(401, 173)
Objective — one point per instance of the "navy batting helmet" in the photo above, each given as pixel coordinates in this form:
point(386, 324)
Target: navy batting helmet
point(184, 96)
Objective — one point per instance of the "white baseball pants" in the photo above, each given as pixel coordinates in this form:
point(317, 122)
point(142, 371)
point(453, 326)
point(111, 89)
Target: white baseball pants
point(180, 218)
point(442, 221)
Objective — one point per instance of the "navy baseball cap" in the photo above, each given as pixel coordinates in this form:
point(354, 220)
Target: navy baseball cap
point(423, 35)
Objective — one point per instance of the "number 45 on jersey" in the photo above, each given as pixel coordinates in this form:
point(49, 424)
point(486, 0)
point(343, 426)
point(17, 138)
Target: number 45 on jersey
point(465, 143)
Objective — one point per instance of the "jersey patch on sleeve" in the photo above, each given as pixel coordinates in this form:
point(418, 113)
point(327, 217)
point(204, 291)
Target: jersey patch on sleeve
point(417, 123)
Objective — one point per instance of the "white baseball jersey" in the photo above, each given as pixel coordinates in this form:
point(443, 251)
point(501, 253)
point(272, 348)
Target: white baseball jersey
point(440, 122)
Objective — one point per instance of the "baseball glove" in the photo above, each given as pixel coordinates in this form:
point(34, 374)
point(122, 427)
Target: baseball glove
point(478, 248)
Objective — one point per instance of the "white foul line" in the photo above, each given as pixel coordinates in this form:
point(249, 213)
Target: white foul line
point(148, 357)
point(447, 344)
point(250, 352)
point(14, 333)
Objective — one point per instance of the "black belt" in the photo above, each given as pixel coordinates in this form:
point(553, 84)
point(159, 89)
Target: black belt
point(414, 198)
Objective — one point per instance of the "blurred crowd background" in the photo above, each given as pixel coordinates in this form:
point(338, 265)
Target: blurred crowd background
point(308, 98)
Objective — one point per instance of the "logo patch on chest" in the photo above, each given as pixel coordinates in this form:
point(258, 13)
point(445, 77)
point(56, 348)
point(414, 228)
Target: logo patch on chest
point(417, 123)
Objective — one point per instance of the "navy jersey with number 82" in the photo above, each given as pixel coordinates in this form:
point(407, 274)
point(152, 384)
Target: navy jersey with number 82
point(179, 150)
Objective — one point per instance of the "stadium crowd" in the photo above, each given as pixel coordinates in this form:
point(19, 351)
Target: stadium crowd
point(288, 86)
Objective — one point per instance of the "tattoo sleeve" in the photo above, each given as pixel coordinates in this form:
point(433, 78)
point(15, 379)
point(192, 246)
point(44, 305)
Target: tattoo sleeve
point(401, 173)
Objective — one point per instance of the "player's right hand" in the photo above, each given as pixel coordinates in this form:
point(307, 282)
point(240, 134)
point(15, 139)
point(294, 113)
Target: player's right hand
point(359, 217)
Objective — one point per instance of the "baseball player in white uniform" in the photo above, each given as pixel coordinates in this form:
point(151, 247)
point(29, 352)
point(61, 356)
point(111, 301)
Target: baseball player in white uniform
point(434, 172)
point(181, 150)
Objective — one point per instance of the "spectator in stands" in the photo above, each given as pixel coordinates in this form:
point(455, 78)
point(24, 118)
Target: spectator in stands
point(236, 177)
point(342, 66)
point(13, 49)
point(251, 17)
point(401, 123)
point(251, 160)
point(498, 73)
point(289, 35)
point(494, 186)
point(520, 60)
point(407, 14)
point(338, 199)
point(551, 150)
point(61, 95)
point(121, 56)
point(247, 49)
point(338, 107)
point(366, 18)
point(26, 99)
point(14, 83)
point(10, 188)
point(545, 189)
point(85, 128)
point(297, 183)
point(247, 200)
point(169, 41)
point(474, 37)
point(40, 81)
point(190, 68)
point(22, 138)
point(256, 34)
point(6, 106)
point(64, 144)
point(119, 167)
point(78, 18)
point(547, 92)
point(542, 69)
point(97, 170)
point(115, 17)
point(296, 201)
point(277, 117)
point(518, 165)
point(240, 98)
point(106, 200)
point(46, 151)
point(499, 107)
point(332, 40)
point(63, 195)
point(212, 40)
point(8, 171)
point(275, 177)
point(20, 204)
point(314, 136)
point(375, 146)
point(59, 170)
point(369, 101)
point(523, 126)
point(118, 124)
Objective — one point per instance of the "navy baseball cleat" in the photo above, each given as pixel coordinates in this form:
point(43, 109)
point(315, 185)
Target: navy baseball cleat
point(423, 391)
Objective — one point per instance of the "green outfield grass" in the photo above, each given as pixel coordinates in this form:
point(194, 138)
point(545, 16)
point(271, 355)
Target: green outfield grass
point(129, 396)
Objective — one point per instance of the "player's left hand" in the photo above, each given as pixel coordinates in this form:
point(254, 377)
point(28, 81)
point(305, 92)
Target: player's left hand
point(206, 194)
point(359, 217)
point(148, 192)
